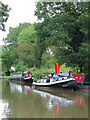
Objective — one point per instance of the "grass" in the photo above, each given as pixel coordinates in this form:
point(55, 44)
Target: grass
point(4, 77)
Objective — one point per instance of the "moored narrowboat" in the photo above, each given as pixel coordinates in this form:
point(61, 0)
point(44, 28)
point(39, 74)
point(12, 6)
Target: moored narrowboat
point(21, 77)
point(57, 80)
point(60, 81)
point(83, 81)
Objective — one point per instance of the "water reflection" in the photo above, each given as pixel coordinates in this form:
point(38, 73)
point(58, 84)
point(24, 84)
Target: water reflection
point(58, 102)
point(55, 100)
point(4, 109)
point(20, 88)
point(28, 102)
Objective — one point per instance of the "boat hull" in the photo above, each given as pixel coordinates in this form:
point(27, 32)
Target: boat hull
point(83, 81)
point(83, 86)
point(62, 85)
point(29, 80)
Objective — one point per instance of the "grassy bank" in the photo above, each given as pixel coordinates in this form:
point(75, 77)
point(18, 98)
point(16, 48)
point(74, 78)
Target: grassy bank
point(4, 77)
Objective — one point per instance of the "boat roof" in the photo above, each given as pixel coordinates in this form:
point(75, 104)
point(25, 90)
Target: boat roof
point(16, 73)
point(19, 73)
point(66, 74)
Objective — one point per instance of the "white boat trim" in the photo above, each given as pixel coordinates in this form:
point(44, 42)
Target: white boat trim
point(53, 83)
point(26, 78)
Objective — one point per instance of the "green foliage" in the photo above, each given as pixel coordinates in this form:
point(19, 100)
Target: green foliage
point(7, 59)
point(64, 25)
point(36, 73)
point(0, 59)
point(48, 58)
point(4, 14)
point(9, 54)
point(41, 42)
point(63, 31)
point(26, 52)
point(4, 77)
point(13, 34)
point(28, 34)
point(20, 67)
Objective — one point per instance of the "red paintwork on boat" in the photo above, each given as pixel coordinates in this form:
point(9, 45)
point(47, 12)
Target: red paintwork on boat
point(28, 74)
point(16, 73)
point(56, 68)
point(79, 76)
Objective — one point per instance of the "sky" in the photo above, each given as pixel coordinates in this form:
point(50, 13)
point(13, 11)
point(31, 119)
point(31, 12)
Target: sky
point(21, 11)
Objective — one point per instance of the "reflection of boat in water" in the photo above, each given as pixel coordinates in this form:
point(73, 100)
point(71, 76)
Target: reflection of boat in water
point(63, 100)
point(20, 88)
point(55, 101)
point(25, 77)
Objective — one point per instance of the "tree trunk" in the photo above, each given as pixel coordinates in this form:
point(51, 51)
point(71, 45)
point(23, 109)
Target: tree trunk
point(81, 70)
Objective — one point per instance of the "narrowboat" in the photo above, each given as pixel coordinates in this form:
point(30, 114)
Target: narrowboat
point(60, 80)
point(83, 81)
point(21, 77)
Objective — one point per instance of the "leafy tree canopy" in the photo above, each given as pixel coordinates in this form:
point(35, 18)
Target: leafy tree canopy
point(4, 14)
point(9, 54)
point(64, 25)
point(26, 52)
point(28, 34)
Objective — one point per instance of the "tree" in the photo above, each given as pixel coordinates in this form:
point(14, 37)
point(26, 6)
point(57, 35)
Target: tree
point(29, 34)
point(4, 14)
point(27, 48)
point(41, 42)
point(9, 54)
point(48, 59)
point(63, 26)
point(20, 66)
point(7, 59)
point(12, 37)
point(26, 52)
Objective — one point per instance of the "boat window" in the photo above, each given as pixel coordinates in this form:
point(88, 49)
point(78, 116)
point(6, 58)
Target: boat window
point(19, 75)
point(25, 75)
point(11, 76)
point(30, 75)
point(16, 76)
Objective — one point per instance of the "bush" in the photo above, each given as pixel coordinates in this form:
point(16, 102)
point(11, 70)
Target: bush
point(36, 73)
point(20, 67)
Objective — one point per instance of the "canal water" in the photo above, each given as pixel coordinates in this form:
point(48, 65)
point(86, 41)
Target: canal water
point(26, 101)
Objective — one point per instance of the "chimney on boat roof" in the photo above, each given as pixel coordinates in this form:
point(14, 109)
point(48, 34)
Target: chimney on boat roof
point(56, 68)
point(69, 72)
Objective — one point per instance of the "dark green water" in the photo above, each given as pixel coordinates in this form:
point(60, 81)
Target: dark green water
point(24, 101)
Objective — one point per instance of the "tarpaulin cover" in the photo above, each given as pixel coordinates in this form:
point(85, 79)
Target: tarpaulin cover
point(63, 74)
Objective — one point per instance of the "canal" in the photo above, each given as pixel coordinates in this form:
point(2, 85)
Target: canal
point(26, 101)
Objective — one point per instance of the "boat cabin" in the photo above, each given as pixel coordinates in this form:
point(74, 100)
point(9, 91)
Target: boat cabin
point(19, 76)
